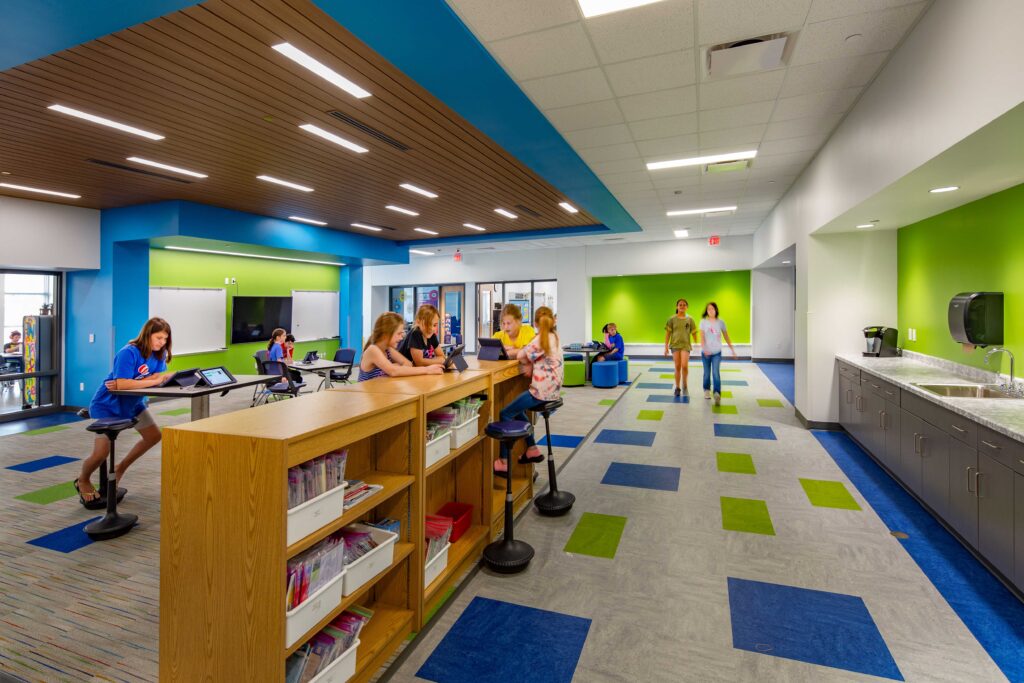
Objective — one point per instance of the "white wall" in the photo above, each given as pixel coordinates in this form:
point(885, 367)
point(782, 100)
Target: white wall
point(773, 304)
point(45, 236)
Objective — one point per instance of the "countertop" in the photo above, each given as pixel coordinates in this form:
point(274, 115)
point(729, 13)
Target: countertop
point(1004, 415)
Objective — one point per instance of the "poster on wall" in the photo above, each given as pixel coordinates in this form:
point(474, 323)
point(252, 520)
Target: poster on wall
point(398, 301)
point(428, 295)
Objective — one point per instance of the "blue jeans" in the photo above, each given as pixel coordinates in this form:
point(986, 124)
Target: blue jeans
point(712, 364)
point(516, 410)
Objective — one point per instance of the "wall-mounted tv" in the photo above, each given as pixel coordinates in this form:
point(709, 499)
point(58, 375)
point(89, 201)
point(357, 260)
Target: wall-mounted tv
point(253, 318)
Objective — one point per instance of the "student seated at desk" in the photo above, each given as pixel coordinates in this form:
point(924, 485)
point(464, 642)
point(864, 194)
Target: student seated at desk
point(613, 340)
point(13, 346)
point(421, 345)
point(514, 335)
point(278, 351)
point(381, 357)
point(141, 364)
point(289, 348)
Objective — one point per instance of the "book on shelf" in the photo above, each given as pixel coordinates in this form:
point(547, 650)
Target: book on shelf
point(359, 491)
point(325, 647)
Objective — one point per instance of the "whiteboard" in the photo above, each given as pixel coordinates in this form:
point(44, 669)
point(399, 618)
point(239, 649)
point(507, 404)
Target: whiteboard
point(198, 317)
point(314, 315)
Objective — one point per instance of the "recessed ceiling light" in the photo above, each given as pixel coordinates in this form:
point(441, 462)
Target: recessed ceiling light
point(421, 252)
point(595, 8)
point(364, 226)
point(26, 188)
point(419, 190)
point(105, 122)
point(321, 70)
point(568, 207)
point(306, 220)
point(425, 231)
point(680, 234)
point(693, 212)
point(474, 227)
point(506, 214)
point(399, 209)
point(336, 139)
point(866, 225)
point(698, 161)
point(167, 167)
point(278, 181)
point(786, 262)
point(939, 190)
point(263, 256)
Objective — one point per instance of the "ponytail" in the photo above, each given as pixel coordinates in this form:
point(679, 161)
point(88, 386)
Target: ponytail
point(544, 319)
point(274, 335)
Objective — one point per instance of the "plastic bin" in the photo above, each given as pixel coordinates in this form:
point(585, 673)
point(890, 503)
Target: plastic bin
point(373, 562)
point(315, 513)
point(316, 607)
point(461, 515)
point(438, 448)
point(341, 669)
point(436, 565)
point(465, 432)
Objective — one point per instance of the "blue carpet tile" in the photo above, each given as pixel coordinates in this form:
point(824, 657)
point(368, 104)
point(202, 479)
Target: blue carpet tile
point(781, 375)
point(28, 424)
point(66, 540)
point(667, 398)
point(656, 477)
point(661, 369)
point(42, 463)
point(744, 431)
point(734, 383)
point(561, 441)
point(654, 385)
point(626, 437)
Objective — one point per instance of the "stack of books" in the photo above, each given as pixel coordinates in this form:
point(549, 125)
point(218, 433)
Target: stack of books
point(326, 646)
point(358, 491)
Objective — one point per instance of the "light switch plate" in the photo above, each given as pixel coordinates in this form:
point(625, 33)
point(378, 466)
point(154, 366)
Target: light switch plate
point(92, 338)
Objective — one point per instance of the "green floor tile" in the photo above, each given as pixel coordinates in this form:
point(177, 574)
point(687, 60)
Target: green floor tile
point(45, 430)
point(668, 376)
point(737, 463)
point(177, 411)
point(828, 494)
point(726, 394)
point(650, 415)
point(747, 515)
point(731, 370)
point(596, 535)
point(770, 403)
point(50, 494)
point(438, 605)
point(606, 402)
point(724, 410)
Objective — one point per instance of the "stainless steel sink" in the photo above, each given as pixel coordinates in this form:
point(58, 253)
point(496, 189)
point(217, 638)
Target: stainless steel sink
point(966, 390)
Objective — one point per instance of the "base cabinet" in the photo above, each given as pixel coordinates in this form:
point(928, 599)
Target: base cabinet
point(994, 491)
point(1018, 528)
point(962, 513)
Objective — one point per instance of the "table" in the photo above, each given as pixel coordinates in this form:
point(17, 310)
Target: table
point(200, 395)
point(585, 349)
point(320, 367)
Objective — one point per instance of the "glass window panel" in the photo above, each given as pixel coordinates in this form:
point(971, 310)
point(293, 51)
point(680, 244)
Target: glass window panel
point(17, 283)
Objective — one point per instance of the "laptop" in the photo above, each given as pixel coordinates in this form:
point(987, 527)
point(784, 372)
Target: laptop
point(182, 378)
point(454, 361)
point(217, 376)
point(491, 349)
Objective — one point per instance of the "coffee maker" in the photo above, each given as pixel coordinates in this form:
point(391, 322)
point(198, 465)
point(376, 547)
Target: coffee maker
point(881, 341)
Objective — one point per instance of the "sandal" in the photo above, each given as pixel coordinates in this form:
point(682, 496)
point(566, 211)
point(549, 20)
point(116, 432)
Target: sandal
point(500, 473)
point(92, 504)
point(526, 458)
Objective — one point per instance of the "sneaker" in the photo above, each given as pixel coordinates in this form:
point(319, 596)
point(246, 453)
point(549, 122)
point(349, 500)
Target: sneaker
point(686, 392)
point(707, 393)
point(677, 391)
point(718, 399)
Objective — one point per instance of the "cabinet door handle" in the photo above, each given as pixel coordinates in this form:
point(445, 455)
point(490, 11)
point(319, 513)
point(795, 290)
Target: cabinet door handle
point(849, 395)
point(923, 437)
point(917, 443)
point(977, 483)
point(874, 385)
point(990, 445)
point(969, 480)
point(891, 393)
point(881, 419)
point(959, 429)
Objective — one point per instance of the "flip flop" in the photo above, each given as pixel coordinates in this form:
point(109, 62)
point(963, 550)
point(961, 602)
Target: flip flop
point(94, 504)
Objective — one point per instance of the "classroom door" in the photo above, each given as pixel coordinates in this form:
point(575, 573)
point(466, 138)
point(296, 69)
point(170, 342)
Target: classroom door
point(30, 366)
point(452, 314)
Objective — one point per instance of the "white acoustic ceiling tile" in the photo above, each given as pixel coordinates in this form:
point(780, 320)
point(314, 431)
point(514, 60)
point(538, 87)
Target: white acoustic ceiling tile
point(723, 179)
point(599, 137)
point(794, 128)
point(736, 117)
point(832, 9)
point(621, 166)
point(662, 148)
point(728, 20)
point(580, 116)
point(784, 161)
point(676, 183)
point(835, 74)
point(659, 104)
point(741, 90)
point(801, 144)
point(815, 104)
point(877, 31)
point(564, 90)
point(496, 19)
point(610, 179)
point(609, 153)
point(725, 183)
point(661, 72)
point(545, 53)
point(664, 127)
point(664, 26)
point(734, 138)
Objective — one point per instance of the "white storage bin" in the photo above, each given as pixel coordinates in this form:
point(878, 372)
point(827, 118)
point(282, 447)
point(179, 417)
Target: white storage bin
point(373, 562)
point(341, 669)
point(437, 565)
point(315, 513)
point(316, 607)
point(465, 432)
point(438, 448)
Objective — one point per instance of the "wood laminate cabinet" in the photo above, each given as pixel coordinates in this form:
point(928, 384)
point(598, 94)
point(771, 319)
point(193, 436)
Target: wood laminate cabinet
point(994, 491)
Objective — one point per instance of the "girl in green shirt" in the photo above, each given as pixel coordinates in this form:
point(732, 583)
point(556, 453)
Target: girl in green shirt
point(680, 334)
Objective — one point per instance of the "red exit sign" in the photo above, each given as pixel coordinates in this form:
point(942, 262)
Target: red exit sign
point(714, 241)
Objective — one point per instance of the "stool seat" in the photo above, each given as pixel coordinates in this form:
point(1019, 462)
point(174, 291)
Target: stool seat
point(106, 425)
point(509, 430)
point(605, 375)
point(548, 407)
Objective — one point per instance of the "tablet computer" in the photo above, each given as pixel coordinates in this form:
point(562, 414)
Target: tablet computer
point(491, 349)
point(182, 378)
point(455, 361)
point(217, 376)
point(311, 357)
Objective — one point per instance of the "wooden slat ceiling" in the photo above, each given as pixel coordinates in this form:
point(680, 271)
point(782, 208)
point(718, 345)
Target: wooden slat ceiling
point(230, 107)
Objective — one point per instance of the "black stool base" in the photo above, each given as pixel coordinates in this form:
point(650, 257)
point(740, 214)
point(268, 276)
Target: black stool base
point(111, 526)
point(554, 503)
point(101, 503)
point(508, 556)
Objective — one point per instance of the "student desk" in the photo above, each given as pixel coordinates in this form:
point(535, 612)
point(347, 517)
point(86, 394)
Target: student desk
point(319, 367)
point(200, 395)
point(588, 350)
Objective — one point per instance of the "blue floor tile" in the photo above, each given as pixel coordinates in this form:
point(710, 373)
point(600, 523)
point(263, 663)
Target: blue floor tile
point(626, 437)
point(734, 383)
point(561, 441)
point(661, 369)
point(28, 424)
point(667, 398)
point(654, 385)
point(657, 477)
point(986, 607)
point(830, 629)
point(496, 642)
point(781, 375)
point(41, 463)
point(66, 540)
point(744, 431)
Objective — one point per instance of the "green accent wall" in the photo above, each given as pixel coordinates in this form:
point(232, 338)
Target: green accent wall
point(640, 304)
point(254, 277)
point(972, 248)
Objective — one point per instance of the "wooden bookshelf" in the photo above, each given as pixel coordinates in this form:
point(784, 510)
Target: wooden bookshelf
point(223, 549)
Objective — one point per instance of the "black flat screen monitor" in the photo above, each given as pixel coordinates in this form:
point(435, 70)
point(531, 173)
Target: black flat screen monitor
point(253, 318)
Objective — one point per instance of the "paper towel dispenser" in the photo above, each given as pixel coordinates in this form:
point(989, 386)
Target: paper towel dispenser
point(977, 318)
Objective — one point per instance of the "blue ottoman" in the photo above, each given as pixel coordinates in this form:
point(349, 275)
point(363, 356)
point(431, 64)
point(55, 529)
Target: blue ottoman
point(605, 375)
point(623, 370)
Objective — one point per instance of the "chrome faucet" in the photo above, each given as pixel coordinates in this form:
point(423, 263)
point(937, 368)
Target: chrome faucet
point(1012, 386)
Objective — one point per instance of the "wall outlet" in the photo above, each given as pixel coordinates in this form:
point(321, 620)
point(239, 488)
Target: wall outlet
point(227, 281)
point(92, 338)
point(81, 386)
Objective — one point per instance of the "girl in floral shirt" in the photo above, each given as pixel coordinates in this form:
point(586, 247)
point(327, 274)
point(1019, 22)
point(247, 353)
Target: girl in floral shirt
point(542, 362)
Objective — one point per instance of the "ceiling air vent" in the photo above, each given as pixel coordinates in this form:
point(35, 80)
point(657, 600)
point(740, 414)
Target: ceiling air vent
point(387, 139)
point(746, 56)
point(122, 167)
point(527, 210)
point(727, 166)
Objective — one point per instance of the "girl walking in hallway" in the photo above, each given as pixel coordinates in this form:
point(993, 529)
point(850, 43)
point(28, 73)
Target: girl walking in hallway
point(712, 331)
point(680, 333)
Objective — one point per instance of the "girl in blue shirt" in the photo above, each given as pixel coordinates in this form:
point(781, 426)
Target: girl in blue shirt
point(142, 363)
point(613, 340)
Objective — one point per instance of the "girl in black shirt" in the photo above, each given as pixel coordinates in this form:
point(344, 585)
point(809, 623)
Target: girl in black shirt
point(421, 345)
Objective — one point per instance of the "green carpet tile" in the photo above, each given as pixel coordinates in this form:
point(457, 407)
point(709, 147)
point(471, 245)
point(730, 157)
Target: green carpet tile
point(828, 494)
point(45, 430)
point(737, 463)
point(770, 403)
point(726, 394)
point(50, 494)
point(597, 535)
point(747, 515)
point(650, 415)
point(177, 411)
point(731, 370)
point(606, 402)
point(667, 376)
point(724, 410)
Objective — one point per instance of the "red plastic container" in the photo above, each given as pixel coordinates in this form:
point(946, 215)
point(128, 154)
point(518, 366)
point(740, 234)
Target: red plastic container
point(461, 515)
